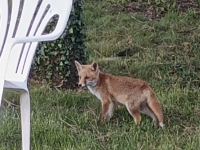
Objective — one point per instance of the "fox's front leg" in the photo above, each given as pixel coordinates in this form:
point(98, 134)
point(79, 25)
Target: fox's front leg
point(106, 109)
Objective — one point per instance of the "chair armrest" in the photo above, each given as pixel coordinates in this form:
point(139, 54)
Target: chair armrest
point(12, 42)
point(50, 37)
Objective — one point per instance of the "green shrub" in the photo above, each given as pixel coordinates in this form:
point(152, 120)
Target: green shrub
point(54, 61)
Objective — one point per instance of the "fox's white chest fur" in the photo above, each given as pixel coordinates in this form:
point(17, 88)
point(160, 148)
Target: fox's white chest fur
point(94, 92)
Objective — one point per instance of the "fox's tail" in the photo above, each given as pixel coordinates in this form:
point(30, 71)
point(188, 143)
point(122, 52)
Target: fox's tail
point(156, 108)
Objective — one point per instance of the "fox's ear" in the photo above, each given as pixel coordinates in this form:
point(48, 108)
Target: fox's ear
point(78, 65)
point(94, 66)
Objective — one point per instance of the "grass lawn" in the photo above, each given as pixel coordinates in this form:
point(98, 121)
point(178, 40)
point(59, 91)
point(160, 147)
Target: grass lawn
point(163, 51)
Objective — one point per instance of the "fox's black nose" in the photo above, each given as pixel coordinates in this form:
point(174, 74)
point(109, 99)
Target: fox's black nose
point(79, 85)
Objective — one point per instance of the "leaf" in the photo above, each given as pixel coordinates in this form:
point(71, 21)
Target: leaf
point(55, 53)
point(60, 45)
point(61, 63)
point(73, 39)
point(71, 30)
point(186, 44)
point(62, 57)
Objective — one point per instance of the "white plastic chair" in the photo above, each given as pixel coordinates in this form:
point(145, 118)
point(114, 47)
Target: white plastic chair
point(22, 23)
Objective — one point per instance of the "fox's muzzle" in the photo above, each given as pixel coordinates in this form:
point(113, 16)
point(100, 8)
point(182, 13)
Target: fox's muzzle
point(82, 85)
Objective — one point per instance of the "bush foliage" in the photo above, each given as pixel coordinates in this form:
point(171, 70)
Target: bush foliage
point(54, 61)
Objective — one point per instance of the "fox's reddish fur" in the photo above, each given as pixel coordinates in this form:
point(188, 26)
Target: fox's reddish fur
point(135, 94)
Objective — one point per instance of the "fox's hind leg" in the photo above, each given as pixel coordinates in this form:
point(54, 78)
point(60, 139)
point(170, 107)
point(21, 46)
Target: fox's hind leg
point(135, 112)
point(156, 108)
point(145, 109)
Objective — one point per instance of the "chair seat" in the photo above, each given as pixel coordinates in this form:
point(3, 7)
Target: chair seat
point(13, 85)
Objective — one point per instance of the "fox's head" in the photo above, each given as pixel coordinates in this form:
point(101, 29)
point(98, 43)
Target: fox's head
point(88, 74)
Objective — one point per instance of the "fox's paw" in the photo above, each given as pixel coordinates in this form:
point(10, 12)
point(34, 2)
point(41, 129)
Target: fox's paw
point(99, 123)
point(161, 125)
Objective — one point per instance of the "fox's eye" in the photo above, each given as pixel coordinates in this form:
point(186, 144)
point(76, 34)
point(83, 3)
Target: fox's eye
point(79, 77)
point(86, 77)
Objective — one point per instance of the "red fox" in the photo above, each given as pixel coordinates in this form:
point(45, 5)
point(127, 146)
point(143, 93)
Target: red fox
point(135, 94)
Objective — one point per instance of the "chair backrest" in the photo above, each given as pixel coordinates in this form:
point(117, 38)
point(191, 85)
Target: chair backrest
point(26, 18)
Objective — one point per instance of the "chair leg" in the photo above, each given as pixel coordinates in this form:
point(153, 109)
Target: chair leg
point(25, 120)
point(1, 91)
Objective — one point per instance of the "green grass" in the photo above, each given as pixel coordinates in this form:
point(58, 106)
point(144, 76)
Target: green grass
point(155, 51)
point(68, 120)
